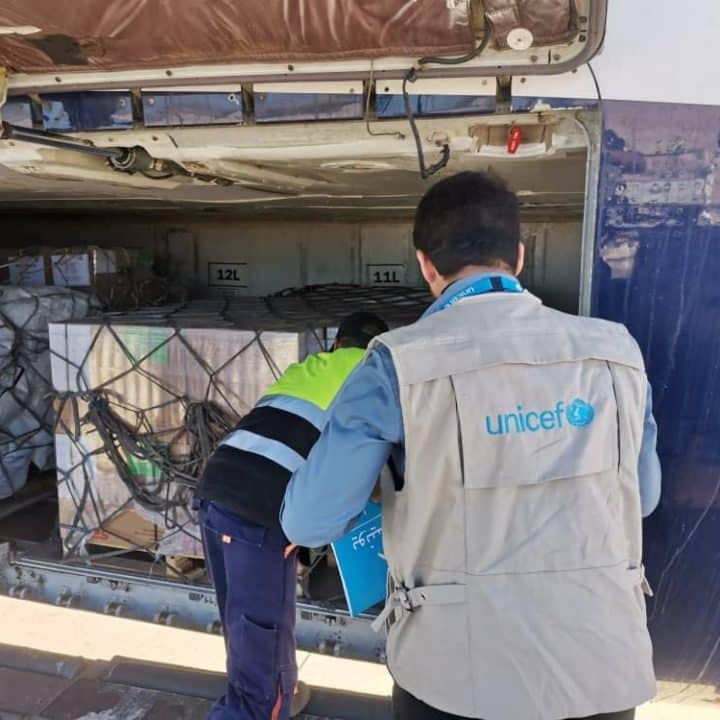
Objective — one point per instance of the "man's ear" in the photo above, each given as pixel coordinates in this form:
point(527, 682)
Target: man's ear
point(426, 267)
point(429, 272)
point(521, 258)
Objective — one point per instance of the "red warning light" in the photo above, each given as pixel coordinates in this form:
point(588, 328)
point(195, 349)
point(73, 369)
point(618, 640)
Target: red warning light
point(514, 139)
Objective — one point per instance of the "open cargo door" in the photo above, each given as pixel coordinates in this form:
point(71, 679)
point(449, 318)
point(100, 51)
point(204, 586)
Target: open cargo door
point(155, 100)
point(105, 43)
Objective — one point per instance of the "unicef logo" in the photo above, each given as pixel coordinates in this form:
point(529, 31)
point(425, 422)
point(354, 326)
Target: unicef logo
point(577, 414)
point(580, 413)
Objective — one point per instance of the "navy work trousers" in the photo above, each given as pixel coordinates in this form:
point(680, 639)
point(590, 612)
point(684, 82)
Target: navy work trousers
point(255, 588)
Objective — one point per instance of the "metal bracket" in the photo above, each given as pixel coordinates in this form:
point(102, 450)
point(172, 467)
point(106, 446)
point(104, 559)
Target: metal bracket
point(3, 86)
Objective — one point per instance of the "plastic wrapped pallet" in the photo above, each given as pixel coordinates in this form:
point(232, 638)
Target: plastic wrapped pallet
point(153, 370)
point(26, 413)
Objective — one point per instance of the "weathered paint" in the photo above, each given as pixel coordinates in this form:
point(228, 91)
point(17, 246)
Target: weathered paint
point(162, 109)
point(300, 107)
point(393, 106)
point(657, 269)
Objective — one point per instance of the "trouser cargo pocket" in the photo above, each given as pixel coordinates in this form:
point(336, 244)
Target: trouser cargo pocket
point(254, 657)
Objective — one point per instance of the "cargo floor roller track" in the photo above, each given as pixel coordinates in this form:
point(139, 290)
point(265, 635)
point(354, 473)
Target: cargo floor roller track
point(119, 589)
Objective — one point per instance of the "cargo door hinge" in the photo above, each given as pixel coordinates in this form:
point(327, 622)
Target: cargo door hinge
point(3, 86)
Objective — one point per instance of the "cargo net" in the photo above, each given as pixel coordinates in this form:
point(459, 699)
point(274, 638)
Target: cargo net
point(397, 306)
point(144, 398)
point(26, 411)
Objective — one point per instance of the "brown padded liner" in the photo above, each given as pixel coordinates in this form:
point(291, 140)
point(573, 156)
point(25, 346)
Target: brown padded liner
point(120, 34)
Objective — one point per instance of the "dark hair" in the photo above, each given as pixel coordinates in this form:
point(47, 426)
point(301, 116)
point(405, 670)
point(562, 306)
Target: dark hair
point(358, 329)
point(468, 219)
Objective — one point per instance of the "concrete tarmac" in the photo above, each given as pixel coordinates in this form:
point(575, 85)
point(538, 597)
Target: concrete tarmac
point(46, 628)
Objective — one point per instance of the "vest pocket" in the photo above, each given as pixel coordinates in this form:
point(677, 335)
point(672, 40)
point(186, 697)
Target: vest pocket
point(528, 424)
point(540, 468)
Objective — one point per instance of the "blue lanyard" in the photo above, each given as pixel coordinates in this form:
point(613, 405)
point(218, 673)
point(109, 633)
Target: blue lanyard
point(496, 283)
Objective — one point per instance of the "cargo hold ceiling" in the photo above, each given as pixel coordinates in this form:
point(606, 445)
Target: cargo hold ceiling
point(337, 169)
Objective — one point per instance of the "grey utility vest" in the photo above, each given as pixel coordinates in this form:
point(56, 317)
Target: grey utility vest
point(515, 545)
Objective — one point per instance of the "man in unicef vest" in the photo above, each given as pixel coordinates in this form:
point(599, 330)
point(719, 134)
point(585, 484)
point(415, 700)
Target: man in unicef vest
point(249, 559)
point(527, 442)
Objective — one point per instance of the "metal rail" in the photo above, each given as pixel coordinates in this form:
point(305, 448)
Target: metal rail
point(173, 603)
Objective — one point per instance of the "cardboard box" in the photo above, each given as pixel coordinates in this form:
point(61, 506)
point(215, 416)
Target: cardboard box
point(153, 367)
point(120, 278)
point(75, 267)
point(128, 530)
point(27, 270)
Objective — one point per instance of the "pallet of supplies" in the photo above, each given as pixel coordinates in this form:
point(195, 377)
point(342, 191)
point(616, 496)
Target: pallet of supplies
point(144, 397)
point(143, 400)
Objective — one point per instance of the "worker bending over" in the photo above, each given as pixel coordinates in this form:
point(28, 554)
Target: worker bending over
point(239, 497)
point(514, 543)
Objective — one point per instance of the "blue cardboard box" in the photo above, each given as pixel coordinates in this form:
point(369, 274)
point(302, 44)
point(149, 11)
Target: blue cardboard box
point(361, 563)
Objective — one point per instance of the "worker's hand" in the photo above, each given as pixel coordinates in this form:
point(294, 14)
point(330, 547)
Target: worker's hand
point(289, 550)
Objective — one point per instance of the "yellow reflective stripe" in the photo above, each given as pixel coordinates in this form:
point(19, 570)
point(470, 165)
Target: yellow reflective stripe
point(319, 377)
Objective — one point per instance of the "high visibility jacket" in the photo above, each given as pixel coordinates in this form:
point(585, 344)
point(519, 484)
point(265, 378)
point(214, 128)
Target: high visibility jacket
point(251, 468)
